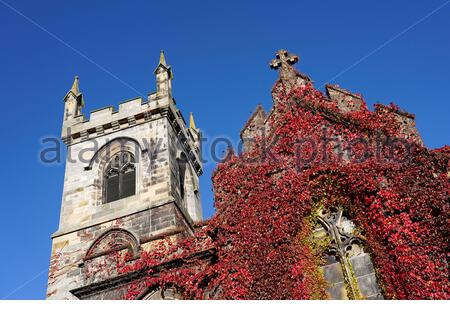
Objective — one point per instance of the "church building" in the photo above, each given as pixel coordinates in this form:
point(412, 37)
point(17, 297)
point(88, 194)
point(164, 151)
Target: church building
point(328, 200)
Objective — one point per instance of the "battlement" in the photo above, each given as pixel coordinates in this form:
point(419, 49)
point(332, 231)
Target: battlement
point(345, 100)
point(106, 119)
point(344, 105)
point(131, 113)
point(108, 116)
point(405, 120)
point(78, 128)
point(380, 108)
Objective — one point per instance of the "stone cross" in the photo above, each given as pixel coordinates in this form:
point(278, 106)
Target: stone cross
point(283, 62)
point(283, 59)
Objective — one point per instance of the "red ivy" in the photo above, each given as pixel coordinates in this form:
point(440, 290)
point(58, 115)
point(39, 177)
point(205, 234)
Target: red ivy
point(260, 232)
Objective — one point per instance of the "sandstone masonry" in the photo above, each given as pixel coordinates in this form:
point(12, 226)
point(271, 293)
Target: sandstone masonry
point(167, 166)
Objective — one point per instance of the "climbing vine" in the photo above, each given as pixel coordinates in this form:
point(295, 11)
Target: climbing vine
point(258, 243)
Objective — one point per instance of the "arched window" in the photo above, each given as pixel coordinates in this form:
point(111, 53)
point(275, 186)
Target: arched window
point(120, 177)
point(111, 241)
point(112, 248)
point(347, 268)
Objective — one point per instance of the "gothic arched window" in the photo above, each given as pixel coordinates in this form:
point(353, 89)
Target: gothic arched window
point(111, 241)
point(347, 268)
point(120, 177)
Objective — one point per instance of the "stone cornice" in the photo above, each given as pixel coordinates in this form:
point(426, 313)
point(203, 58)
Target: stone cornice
point(112, 217)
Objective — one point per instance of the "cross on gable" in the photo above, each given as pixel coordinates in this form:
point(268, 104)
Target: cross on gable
point(283, 59)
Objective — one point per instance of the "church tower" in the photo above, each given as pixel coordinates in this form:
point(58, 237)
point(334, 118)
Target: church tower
point(132, 176)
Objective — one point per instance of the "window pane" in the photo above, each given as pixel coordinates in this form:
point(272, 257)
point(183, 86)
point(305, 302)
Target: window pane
point(120, 177)
point(128, 185)
point(112, 188)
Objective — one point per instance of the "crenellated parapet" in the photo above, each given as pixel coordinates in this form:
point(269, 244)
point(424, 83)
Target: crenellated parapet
point(254, 128)
point(345, 100)
point(405, 121)
point(134, 112)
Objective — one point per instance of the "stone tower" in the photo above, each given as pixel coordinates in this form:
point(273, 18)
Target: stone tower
point(132, 176)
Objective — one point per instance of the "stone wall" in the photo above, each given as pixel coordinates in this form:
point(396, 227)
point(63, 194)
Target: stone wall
point(254, 128)
point(69, 249)
point(345, 100)
point(188, 199)
point(155, 133)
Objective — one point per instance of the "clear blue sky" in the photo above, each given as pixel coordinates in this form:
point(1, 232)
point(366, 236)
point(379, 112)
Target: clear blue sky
point(219, 51)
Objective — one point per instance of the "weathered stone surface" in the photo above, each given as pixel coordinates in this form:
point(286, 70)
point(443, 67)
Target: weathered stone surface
point(254, 128)
point(345, 100)
point(146, 130)
point(405, 121)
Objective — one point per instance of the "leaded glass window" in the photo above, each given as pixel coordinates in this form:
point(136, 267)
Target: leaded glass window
point(120, 177)
point(347, 268)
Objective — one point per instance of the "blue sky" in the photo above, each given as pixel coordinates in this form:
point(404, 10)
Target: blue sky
point(219, 51)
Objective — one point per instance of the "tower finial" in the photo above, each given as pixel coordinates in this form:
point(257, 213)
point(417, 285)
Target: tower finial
point(73, 101)
point(75, 89)
point(162, 62)
point(192, 122)
point(162, 58)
